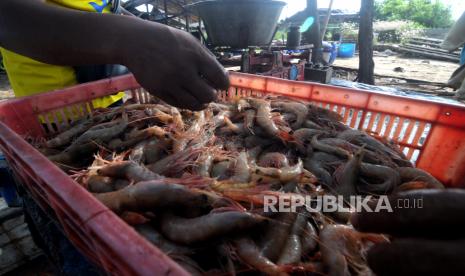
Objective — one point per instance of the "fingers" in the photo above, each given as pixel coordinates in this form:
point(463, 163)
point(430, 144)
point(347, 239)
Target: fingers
point(214, 73)
point(203, 92)
point(431, 213)
point(185, 100)
point(417, 257)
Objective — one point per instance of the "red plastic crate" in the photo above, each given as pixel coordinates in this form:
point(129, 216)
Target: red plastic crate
point(430, 133)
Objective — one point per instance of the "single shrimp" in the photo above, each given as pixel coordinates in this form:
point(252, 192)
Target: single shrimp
point(273, 159)
point(316, 144)
point(249, 253)
point(182, 139)
point(221, 186)
point(300, 110)
point(103, 133)
point(128, 170)
point(100, 184)
point(201, 229)
point(414, 185)
point(137, 137)
point(204, 164)
point(177, 118)
point(152, 235)
point(249, 120)
point(346, 176)
point(176, 162)
point(67, 136)
point(284, 174)
point(76, 155)
point(264, 119)
point(413, 174)
point(303, 138)
point(220, 170)
point(137, 153)
point(155, 149)
point(150, 196)
point(388, 177)
point(342, 249)
point(242, 170)
point(235, 128)
point(292, 250)
point(309, 239)
point(276, 235)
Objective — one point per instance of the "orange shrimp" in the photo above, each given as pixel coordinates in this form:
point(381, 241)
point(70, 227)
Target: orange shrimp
point(264, 119)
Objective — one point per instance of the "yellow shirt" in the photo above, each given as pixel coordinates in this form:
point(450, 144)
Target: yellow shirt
point(28, 77)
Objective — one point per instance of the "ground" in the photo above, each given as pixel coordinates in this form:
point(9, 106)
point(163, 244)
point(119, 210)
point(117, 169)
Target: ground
point(411, 68)
point(393, 70)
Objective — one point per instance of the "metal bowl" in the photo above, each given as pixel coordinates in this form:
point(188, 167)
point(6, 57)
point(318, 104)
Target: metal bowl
point(239, 23)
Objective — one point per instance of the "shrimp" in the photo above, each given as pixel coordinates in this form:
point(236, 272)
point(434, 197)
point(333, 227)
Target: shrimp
point(285, 174)
point(155, 149)
point(177, 119)
point(175, 163)
point(249, 253)
point(200, 229)
point(264, 119)
point(220, 170)
point(128, 170)
point(342, 249)
point(273, 159)
point(182, 138)
point(152, 235)
point(67, 136)
point(242, 171)
point(100, 184)
point(276, 235)
point(137, 153)
point(249, 120)
point(298, 109)
point(103, 133)
point(151, 195)
point(412, 174)
point(239, 129)
point(134, 138)
point(316, 144)
point(346, 176)
point(75, 155)
point(221, 186)
point(309, 238)
point(303, 138)
point(389, 177)
point(204, 164)
point(292, 250)
point(414, 185)
point(360, 138)
point(323, 176)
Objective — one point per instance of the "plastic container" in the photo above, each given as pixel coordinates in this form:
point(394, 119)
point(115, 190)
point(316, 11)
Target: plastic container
point(346, 50)
point(431, 133)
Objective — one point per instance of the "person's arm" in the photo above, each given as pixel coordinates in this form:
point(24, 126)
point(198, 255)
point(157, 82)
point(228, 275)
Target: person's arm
point(169, 63)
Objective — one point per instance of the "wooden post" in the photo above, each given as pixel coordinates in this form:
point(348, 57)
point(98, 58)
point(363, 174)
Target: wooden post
point(312, 36)
point(365, 43)
point(325, 25)
point(165, 6)
point(187, 17)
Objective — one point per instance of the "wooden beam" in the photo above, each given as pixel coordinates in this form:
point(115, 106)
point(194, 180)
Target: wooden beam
point(365, 43)
point(312, 35)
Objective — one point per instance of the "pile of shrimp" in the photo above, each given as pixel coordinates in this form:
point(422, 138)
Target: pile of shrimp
point(194, 183)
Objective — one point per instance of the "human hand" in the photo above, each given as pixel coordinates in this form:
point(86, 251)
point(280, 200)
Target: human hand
point(172, 65)
point(426, 241)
